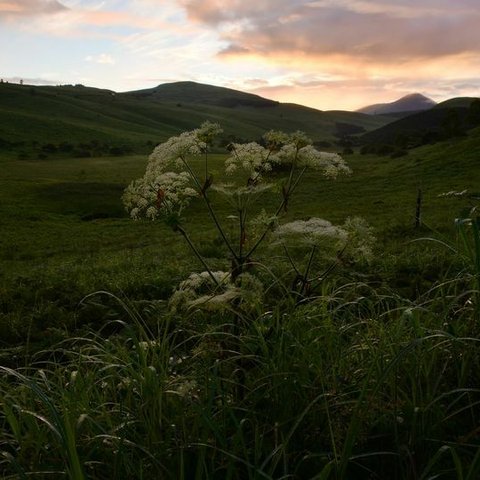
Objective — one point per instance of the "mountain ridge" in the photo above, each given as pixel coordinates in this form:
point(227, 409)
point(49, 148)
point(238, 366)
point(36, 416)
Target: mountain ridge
point(413, 102)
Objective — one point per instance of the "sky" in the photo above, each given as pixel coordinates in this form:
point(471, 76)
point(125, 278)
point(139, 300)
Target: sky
point(326, 54)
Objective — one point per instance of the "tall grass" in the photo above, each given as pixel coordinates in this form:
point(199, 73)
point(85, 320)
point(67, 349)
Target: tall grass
point(377, 377)
point(355, 384)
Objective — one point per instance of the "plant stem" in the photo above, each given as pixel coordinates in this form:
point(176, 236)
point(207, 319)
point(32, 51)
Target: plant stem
point(210, 209)
point(290, 190)
point(197, 253)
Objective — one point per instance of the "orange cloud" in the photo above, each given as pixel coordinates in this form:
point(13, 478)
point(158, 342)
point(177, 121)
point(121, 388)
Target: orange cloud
point(368, 29)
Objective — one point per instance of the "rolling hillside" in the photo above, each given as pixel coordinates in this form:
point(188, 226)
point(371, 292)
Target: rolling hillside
point(90, 120)
point(447, 119)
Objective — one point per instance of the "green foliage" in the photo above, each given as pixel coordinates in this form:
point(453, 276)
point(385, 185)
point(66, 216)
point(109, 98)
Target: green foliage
point(377, 376)
point(357, 383)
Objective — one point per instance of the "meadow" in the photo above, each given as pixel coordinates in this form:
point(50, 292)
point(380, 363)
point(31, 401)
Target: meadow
point(376, 376)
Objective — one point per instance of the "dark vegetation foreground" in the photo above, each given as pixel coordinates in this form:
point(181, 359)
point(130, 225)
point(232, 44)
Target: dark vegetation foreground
point(375, 377)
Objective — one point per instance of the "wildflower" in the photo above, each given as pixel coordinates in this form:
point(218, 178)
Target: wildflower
point(310, 232)
point(168, 153)
point(167, 193)
point(354, 239)
point(200, 291)
point(251, 158)
point(308, 156)
point(208, 131)
point(275, 139)
point(299, 140)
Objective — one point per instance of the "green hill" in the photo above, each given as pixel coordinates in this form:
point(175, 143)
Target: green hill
point(36, 120)
point(447, 119)
point(197, 93)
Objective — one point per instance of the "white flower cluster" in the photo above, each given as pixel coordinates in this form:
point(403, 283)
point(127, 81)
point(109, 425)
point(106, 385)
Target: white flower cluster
point(308, 156)
point(251, 157)
point(283, 149)
point(199, 290)
point(310, 232)
point(360, 239)
point(165, 193)
point(162, 190)
point(174, 151)
point(355, 237)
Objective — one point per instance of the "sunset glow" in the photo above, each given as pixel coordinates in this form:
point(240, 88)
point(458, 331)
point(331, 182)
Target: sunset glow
point(327, 54)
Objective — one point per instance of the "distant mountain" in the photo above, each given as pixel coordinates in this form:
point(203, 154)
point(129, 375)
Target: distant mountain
point(451, 118)
point(414, 102)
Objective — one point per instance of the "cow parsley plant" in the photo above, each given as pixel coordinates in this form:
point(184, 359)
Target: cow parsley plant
point(170, 184)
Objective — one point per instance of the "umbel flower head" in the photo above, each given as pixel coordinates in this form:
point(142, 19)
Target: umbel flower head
point(285, 149)
point(168, 193)
point(217, 291)
point(331, 164)
point(169, 183)
point(167, 186)
point(355, 237)
point(174, 152)
point(314, 231)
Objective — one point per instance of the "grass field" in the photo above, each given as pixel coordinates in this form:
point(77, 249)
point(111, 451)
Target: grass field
point(376, 378)
point(65, 232)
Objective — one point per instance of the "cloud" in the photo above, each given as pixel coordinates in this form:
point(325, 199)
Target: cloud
point(233, 49)
point(374, 30)
point(352, 93)
point(10, 9)
point(81, 19)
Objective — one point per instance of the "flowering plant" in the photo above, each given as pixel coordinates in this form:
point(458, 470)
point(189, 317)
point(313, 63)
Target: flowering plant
point(170, 183)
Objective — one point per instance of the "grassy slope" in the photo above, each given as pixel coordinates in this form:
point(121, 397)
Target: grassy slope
point(80, 114)
point(421, 123)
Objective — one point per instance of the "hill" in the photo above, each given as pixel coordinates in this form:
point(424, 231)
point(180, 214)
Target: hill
point(83, 121)
point(197, 93)
point(409, 103)
point(447, 119)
